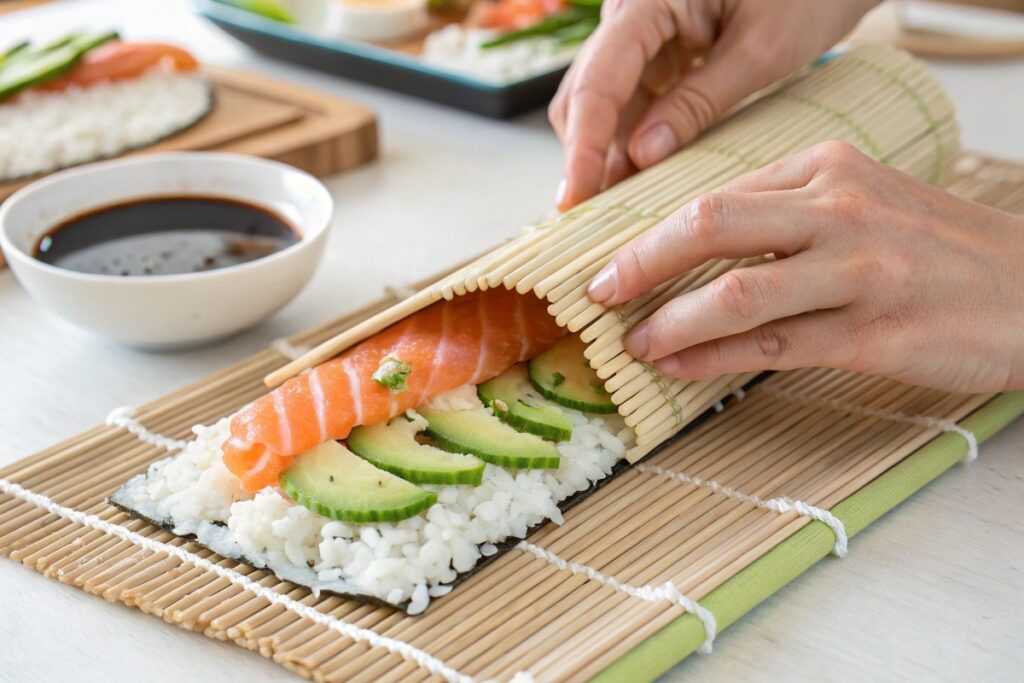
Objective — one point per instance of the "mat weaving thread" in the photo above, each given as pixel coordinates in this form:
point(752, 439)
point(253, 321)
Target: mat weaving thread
point(399, 647)
point(780, 505)
point(287, 349)
point(667, 592)
point(893, 416)
point(123, 417)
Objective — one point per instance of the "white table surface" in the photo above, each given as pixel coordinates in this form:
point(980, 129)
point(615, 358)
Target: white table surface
point(934, 590)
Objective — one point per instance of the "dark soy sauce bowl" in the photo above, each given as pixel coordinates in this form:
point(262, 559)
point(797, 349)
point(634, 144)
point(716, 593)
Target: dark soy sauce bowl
point(166, 311)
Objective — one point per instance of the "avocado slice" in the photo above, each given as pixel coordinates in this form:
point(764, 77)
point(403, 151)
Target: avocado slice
point(26, 66)
point(334, 482)
point(480, 433)
point(392, 446)
point(517, 403)
point(563, 374)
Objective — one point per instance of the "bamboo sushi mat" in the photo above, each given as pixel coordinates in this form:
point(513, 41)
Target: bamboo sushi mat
point(565, 606)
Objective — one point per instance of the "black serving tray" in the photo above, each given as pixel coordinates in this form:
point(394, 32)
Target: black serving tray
point(380, 66)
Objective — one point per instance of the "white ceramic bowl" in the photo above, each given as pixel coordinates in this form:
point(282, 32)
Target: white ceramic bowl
point(167, 311)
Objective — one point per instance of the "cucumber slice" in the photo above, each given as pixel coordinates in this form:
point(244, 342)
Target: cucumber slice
point(517, 403)
point(334, 482)
point(90, 40)
point(27, 66)
point(478, 432)
point(563, 374)
point(13, 50)
point(392, 447)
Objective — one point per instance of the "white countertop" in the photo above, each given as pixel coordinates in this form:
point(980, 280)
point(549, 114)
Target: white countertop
point(935, 589)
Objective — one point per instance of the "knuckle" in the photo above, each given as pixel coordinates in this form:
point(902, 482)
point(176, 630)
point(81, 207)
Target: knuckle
point(662, 327)
point(863, 332)
point(848, 204)
point(716, 356)
point(640, 263)
point(865, 272)
point(741, 295)
point(769, 342)
point(838, 152)
point(703, 218)
point(693, 111)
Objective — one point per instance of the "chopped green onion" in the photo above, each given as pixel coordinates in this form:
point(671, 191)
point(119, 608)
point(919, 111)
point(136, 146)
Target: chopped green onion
point(393, 374)
point(572, 25)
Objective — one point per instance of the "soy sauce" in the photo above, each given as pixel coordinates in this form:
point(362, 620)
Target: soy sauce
point(165, 236)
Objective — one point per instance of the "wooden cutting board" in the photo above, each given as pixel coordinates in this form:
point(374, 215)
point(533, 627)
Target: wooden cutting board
point(252, 114)
point(15, 5)
point(882, 25)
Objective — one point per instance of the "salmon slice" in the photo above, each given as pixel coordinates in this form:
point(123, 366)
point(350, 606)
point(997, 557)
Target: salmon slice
point(116, 61)
point(464, 341)
point(512, 15)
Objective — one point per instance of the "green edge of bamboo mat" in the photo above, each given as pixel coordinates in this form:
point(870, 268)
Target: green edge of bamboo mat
point(799, 552)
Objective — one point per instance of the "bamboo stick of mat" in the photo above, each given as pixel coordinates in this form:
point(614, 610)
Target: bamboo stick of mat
point(876, 98)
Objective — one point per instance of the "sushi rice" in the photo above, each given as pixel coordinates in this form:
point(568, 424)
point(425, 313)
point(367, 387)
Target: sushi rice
point(460, 49)
point(403, 563)
point(42, 131)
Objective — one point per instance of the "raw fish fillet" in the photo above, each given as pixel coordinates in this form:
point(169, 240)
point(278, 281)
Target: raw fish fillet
point(450, 343)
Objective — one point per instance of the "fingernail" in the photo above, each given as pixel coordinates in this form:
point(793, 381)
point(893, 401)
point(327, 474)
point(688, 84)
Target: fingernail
point(604, 285)
point(638, 342)
point(560, 193)
point(655, 144)
point(669, 365)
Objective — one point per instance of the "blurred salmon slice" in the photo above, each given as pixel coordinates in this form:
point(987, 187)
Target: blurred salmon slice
point(117, 61)
point(514, 15)
point(451, 343)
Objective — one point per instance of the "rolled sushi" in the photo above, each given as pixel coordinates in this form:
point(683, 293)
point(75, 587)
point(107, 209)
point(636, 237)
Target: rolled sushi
point(390, 472)
point(91, 96)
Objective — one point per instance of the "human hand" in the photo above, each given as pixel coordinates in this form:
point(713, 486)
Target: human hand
point(633, 95)
point(877, 273)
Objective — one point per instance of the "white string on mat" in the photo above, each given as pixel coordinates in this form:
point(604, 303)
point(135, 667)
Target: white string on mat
point(666, 592)
point(356, 633)
point(289, 350)
point(739, 393)
point(780, 505)
point(123, 417)
point(890, 415)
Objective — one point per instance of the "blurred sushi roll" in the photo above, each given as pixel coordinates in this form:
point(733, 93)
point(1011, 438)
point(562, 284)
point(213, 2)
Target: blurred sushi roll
point(90, 96)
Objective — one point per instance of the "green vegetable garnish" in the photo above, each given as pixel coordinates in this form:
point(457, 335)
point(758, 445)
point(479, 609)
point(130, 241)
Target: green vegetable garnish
point(570, 26)
point(25, 65)
point(393, 374)
point(442, 6)
point(557, 379)
point(13, 50)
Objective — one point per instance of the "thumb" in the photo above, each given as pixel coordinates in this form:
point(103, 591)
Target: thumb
point(729, 74)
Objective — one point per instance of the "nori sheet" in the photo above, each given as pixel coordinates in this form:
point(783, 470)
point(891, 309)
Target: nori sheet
point(504, 546)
